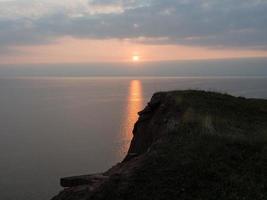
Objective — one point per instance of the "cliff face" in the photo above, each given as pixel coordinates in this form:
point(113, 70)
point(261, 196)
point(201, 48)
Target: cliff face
point(160, 116)
point(187, 145)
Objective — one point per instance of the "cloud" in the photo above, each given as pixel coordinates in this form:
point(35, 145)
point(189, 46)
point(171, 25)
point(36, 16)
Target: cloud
point(207, 23)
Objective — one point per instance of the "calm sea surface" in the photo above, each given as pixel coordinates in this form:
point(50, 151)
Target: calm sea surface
point(56, 127)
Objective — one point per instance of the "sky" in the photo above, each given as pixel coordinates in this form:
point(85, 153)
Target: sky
point(84, 31)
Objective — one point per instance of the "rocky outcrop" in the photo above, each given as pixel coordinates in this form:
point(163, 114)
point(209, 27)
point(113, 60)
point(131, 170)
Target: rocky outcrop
point(93, 180)
point(185, 142)
point(160, 116)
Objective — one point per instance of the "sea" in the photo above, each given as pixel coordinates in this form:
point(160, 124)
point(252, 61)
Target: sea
point(53, 127)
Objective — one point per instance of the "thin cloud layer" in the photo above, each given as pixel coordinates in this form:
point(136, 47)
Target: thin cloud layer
point(207, 23)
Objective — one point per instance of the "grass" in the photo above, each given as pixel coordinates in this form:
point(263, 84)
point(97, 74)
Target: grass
point(223, 114)
point(202, 167)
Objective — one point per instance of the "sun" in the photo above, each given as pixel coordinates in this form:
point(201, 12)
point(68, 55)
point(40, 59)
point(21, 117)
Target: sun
point(135, 58)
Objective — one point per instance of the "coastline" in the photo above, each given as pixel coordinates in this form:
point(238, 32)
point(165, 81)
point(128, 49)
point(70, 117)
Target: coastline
point(187, 145)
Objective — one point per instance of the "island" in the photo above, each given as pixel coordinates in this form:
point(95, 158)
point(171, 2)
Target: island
point(187, 145)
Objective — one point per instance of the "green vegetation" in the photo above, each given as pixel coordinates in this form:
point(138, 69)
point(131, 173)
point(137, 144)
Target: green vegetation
point(223, 115)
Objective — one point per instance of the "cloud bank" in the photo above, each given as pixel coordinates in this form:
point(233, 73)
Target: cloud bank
point(207, 23)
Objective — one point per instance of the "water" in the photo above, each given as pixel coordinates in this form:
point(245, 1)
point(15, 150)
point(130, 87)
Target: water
point(56, 127)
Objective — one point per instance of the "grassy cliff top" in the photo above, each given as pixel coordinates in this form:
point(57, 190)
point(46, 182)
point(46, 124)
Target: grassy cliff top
point(222, 114)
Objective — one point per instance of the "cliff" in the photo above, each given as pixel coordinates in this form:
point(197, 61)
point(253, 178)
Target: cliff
point(187, 145)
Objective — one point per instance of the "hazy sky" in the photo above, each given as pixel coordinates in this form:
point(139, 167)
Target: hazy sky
point(70, 31)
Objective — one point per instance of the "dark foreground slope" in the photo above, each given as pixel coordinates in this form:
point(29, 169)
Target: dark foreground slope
point(187, 145)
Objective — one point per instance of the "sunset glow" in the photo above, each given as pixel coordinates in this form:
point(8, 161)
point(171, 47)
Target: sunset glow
point(86, 29)
point(73, 50)
point(135, 58)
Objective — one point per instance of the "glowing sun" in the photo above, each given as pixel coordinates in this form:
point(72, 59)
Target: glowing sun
point(135, 58)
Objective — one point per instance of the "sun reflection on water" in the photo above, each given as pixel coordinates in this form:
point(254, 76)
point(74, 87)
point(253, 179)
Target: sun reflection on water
point(134, 105)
